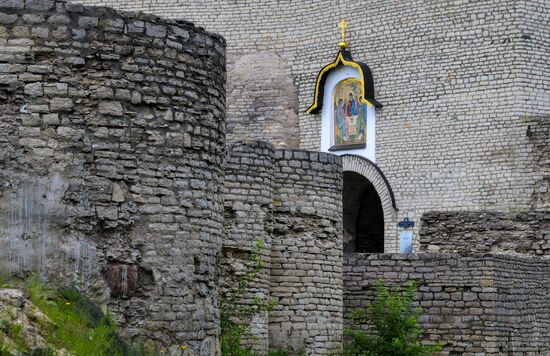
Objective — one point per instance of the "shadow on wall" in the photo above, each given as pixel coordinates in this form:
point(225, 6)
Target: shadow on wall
point(363, 215)
point(262, 100)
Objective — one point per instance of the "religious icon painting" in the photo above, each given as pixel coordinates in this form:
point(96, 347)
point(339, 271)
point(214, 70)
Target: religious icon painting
point(350, 115)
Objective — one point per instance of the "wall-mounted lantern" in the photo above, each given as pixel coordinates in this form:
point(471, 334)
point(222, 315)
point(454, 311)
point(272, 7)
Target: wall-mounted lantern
point(406, 235)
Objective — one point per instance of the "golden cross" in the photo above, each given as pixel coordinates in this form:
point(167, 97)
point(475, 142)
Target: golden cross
point(343, 25)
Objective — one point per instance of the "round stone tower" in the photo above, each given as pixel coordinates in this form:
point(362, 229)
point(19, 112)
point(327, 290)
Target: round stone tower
point(112, 138)
point(306, 253)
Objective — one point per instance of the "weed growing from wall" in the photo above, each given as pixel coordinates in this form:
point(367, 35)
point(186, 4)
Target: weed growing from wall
point(236, 313)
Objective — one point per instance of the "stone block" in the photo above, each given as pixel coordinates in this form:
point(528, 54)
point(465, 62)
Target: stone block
point(34, 89)
point(113, 108)
point(12, 4)
point(88, 22)
point(40, 5)
point(155, 30)
point(6, 19)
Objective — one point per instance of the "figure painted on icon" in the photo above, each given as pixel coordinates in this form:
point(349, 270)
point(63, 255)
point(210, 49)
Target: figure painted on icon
point(350, 114)
point(362, 122)
point(351, 106)
point(340, 116)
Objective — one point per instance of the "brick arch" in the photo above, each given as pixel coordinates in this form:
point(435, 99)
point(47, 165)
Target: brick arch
point(372, 172)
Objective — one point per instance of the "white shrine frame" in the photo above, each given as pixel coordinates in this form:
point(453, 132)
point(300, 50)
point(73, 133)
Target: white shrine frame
point(327, 127)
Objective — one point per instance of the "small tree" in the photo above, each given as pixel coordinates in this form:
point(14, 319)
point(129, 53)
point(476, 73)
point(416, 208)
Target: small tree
point(235, 313)
point(393, 326)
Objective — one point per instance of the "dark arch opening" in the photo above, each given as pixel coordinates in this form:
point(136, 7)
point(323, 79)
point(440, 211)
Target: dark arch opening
point(363, 215)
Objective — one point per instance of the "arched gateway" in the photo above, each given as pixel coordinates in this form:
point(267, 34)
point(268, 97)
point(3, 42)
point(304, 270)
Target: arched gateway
point(370, 212)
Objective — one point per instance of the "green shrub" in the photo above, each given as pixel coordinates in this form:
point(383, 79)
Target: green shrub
point(393, 326)
point(236, 314)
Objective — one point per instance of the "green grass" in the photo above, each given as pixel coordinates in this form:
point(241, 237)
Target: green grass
point(78, 325)
point(4, 351)
point(71, 330)
point(4, 283)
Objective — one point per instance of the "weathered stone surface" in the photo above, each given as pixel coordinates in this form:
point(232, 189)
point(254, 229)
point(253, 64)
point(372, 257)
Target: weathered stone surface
point(6, 19)
point(14, 4)
point(61, 104)
point(17, 310)
point(40, 5)
point(484, 231)
point(248, 213)
point(34, 89)
point(122, 280)
point(118, 193)
point(59, 20)
point(269, 196)
point(155, 30)
point(100, 186)
point(263, 100)
point(88, 21)
point(306, 255)
point(111, 108)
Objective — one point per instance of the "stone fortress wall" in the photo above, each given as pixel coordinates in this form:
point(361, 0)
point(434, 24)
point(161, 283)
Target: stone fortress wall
point(249, 188)
point(112, 152)
point(112, 141)
point(306, 257)
point(525, 233)
point(490, 304)
point(465, 88)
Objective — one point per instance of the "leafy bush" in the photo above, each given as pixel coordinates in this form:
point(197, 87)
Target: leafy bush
point(393, 325)
point(236, 314)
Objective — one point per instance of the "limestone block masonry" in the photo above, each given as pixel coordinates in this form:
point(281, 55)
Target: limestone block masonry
point(248, 218)
point(262, 100)
point(112, 139)
point(465, 88)
point(292, 200)
point(306, 257)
